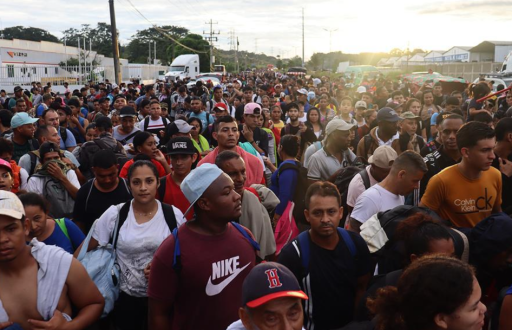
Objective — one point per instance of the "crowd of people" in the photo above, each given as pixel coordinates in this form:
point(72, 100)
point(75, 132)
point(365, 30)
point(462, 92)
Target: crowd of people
point(265, 201)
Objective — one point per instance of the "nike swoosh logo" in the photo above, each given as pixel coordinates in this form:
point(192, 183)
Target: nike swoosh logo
point(214, 289)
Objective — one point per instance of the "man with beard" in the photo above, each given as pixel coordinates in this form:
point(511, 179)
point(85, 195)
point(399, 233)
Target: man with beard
point(384, 134)
point(339, 262)
point(335, 153)
point(254, 215)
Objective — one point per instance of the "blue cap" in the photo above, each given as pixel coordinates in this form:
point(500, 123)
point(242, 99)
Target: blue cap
point(22, 118)
point(197, 181)
point(387, 114)
point(268, 281)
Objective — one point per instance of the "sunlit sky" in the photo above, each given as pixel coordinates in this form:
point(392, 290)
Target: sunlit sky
point(275, 27)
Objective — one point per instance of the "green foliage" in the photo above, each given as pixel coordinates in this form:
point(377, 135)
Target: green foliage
point(195, 41)
point(137, 51)
point(29, 33)
point(73, 61)
point(101, 38)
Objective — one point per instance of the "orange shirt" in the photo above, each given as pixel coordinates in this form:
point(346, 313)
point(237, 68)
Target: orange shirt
point(463, 201)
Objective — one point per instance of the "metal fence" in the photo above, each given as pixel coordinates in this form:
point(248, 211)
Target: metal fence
point(75, 75)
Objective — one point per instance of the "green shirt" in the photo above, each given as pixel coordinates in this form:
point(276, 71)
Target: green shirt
point(20, 150)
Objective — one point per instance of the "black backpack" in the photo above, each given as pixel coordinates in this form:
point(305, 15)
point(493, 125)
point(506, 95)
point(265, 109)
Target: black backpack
point(165, 121)
point(342, 181)
point(169, 216)
point(300, 190)
point(63, 134)
point(391, 256)
point(118, 151)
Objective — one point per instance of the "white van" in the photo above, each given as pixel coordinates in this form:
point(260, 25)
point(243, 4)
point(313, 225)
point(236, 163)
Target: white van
point(183, 66)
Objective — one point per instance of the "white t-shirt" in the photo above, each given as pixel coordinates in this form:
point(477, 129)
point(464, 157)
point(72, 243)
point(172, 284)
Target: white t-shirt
point(153, 124)
point(23, 179)
point(374, 200)
point(356, 187)
point(35, 183)
point(136, 245)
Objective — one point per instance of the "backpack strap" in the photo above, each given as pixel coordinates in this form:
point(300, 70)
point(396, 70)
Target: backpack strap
point(125, 185)
point(161, 188)
point(367, 143)
point(146, 123)
point(125, 140)
point(62, 225)
point(366, 178)
point(176, 259)
point(303, 240)
point(121, 218)
point(33, 162)
point(348, 241)
point(89, 193)
point(169, 216)
point(242, 231)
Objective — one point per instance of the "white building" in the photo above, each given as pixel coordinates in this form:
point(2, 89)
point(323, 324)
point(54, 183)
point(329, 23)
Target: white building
point(457, 54)
point(434, 56)
point(23, 61)
point(490, 51)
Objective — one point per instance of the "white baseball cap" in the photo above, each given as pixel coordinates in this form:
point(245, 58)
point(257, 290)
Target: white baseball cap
point(10, 205)
point(361, 89)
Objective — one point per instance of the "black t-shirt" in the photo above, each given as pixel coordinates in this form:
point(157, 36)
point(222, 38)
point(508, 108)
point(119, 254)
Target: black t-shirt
point(331, 282)
point(438, 100)
point(239, 113)
point(259, 136)
point(436, 162)
point(474, 104)
point(90, 203)
point(307, 137)
point(506, 189)
point(430, 148)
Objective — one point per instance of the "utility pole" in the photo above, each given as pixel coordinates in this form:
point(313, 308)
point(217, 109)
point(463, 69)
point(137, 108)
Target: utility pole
point(79, 64)
point(154, 53)
point(211, 39)
point(330, 38)
point(303, 59)
point(115, 44)
point(149, 53)
point(236, 56)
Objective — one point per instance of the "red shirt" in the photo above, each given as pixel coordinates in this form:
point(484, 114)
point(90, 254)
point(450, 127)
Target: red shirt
point(174, 196)
point(126, 167)
point(207, 292)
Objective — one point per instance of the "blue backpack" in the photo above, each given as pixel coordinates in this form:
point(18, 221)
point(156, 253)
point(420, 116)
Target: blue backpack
point(176, 264)
point(303, 242)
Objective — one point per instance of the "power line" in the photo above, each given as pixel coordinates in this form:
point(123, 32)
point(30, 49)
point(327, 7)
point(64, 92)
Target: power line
point(163, 32)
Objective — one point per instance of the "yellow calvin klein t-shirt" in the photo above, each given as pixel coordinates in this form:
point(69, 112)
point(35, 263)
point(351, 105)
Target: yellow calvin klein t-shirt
point(463, 201)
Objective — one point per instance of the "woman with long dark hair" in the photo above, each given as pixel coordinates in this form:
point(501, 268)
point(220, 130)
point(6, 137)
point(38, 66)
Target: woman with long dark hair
point(435, 292)
point(138, 237)
point(313, 123)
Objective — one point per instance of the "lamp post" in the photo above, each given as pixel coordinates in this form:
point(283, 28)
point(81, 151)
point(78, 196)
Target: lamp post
point(330, 37)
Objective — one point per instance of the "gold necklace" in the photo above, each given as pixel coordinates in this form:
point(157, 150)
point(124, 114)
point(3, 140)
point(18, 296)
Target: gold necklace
point(145, 214)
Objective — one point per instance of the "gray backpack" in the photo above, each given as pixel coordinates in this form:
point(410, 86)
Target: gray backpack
point(61, 203)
